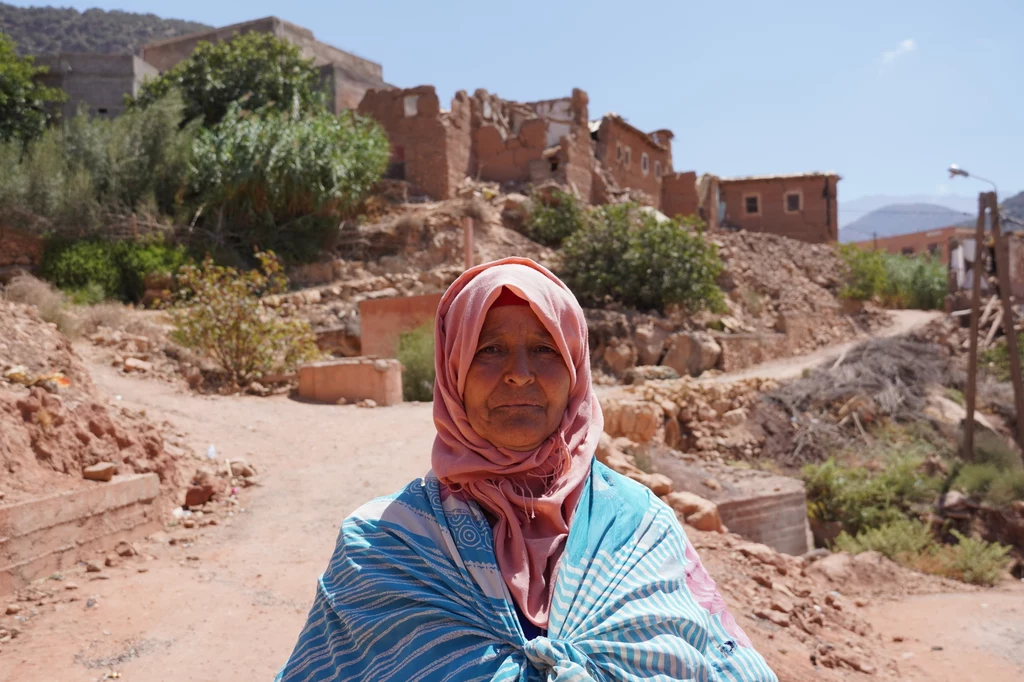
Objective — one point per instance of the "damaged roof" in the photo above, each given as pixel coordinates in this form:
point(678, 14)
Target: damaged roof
point(783, 176)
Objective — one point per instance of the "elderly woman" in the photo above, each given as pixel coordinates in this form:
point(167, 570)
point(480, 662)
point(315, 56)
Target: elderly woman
point(518, 557)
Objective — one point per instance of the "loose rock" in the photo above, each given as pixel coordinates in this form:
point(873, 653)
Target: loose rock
point(104, 471)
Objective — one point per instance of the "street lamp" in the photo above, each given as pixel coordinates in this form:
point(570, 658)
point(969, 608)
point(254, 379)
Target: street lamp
point(955, 170)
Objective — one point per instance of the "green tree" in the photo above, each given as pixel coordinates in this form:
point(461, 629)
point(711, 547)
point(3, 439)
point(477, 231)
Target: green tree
point(281, 181)
point(623, 253)
point(25, 104)
point(259, 69)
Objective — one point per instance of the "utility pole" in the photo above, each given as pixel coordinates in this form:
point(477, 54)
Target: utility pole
point(977, 272)
point(467, 236)
point(1002, 248)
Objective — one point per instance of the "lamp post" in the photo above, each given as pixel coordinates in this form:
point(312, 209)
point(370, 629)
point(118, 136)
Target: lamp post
point(955, 170)
point(989, 201)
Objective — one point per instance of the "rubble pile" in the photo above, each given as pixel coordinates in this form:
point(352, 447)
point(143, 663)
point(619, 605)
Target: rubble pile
point(802, 612)
point(705, 419)
point(53, 423)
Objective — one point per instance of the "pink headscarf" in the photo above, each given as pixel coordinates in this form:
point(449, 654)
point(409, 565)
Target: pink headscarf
point(532, 495)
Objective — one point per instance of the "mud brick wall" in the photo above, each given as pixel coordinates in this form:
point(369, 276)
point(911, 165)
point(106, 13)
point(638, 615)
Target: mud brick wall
point(679, 194)
point(19, 248)
point(816, 221)
point(429, 148)
point(621, 148)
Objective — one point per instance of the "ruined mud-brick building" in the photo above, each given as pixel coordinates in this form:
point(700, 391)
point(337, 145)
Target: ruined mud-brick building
point(101, 81)
point(799, 206)
point(518, 143)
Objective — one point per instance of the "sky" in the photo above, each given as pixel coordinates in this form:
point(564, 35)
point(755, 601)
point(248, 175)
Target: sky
point(887, 94)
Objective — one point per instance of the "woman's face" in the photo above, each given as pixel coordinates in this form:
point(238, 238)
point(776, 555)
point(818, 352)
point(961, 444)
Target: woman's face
point(517, 386)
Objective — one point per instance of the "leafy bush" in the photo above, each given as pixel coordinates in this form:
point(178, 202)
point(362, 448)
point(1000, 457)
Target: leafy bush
point(118, 269)
point(90, 294)
point(974, 561)
point(861, 501)
point(624, 254)
point(552, 224)
point(416, 353)
point(896, 280)
point(218, 312)
point(284, 182)
point(901, 540)
point(258, 69)
point(991, 483)
point(25, 103)
point(75, 176)
point(911, 543)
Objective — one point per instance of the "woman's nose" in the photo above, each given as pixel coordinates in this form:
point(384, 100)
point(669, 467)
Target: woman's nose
point(520, 368)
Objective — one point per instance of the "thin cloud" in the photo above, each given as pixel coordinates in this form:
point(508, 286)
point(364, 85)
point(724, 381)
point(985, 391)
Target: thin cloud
point(889, 57)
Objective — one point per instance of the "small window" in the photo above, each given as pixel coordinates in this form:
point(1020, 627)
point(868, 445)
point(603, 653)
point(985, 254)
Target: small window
point(907, 251)
point(752, 204)
point(618, 152)
point(628, 155)
point(645, 163)
point(102, 110)
point(933, 249)
point(657, 169)
point(793, 202)
point(412, 105)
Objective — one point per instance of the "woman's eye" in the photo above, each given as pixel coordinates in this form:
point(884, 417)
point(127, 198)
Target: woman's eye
point(489, 350)
point(546, 349)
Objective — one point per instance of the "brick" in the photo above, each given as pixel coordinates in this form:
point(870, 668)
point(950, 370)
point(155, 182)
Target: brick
point(353, 379)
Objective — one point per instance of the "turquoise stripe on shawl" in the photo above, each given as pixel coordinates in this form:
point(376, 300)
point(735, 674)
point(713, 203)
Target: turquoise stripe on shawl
point(413, 593)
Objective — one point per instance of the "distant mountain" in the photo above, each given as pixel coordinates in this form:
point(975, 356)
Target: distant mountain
point(49, 30)
point(853, 209)
point(895, 219)
point(1014, 208)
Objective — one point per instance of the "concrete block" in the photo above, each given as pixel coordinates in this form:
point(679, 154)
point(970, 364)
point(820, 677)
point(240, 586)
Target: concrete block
point(40, 536)
point(353, 379)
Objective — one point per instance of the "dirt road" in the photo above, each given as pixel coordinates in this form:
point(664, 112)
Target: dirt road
point(228, 605)
point(233, 614)
point(788, 368)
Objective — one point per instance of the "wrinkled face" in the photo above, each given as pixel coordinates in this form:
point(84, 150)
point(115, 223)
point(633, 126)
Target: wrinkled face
point(517, 387)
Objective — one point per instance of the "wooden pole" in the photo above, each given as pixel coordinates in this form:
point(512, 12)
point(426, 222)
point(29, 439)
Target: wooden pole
point(977, 272)
point(1002, 243)
point(467, 233)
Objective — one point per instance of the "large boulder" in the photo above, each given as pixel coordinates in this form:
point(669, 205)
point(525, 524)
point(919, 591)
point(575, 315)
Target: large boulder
point(698, 512)
point(638, 420)
point(650, 343)
point(692, 353)
point(620, 357)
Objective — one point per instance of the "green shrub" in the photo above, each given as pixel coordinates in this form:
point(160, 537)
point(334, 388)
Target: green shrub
point(218, 312)
point(896, 280)
point(861, 501)
point(77, 265)
point(283, 182)
point(624, 254)
point(1008, 488)
point(973, 560)
point(416, 353)
point(911, 543)
point(901, 540)
point(117, 269)
point(74, 177)
point(90, 294)
point(552, 224)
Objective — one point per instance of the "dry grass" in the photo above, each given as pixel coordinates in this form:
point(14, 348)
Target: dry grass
point(112, 315)
point(51, 303)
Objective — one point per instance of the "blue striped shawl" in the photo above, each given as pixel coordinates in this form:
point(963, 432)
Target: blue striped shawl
point(413, 592)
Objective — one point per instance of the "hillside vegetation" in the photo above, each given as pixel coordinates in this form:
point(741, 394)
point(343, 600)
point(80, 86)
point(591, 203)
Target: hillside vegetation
point(49, 30)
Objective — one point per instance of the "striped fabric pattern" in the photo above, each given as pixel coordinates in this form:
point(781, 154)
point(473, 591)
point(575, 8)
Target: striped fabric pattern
point(413, 593)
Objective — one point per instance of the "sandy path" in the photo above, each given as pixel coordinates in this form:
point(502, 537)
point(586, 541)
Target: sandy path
point(234, 614)
point(788, 368)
